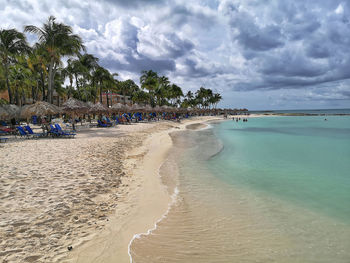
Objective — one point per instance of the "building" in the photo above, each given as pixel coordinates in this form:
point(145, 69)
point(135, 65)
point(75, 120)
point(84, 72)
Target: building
point(114, 98)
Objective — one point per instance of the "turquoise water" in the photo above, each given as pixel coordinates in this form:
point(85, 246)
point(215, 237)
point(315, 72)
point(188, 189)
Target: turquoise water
point(303, 160)
point(314, 112)
point(273, 189)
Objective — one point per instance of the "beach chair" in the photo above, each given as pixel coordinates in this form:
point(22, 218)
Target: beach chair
point(23, 133)
point(64, 133)
point(53, 131)
point(117, 121)
point(101, 124)
point(30, 131)
point(109, 123)
point(3, 139)
point(35, 119)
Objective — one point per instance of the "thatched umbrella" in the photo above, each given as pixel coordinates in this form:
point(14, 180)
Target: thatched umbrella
point(157, 109)
point(3, 113)
point(98, 108)
point(12, 110)
point(118, 107)
point(136, 107)
point(40, 108)
point(164, 108)
point(74, 107)
point(148, 108)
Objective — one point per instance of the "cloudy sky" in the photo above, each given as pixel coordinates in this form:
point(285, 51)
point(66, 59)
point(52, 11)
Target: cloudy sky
point(260, 54)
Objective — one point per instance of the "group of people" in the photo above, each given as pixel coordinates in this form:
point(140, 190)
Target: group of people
point(237, 119)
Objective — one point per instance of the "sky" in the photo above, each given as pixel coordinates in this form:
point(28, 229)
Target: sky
point(258, 54)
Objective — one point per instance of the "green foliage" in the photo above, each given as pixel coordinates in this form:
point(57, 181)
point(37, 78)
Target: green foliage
point(38, 71)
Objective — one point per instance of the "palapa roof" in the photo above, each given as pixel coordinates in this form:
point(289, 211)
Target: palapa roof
point(12, 110)
point(136, 107)
point(3, 113)
point(118, 107)
point(98, 108)
point(148, 108)
point(157, 108)
point(73, 105)
point(40, 108)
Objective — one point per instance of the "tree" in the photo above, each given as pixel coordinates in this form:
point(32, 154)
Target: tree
point(102, 77)
point(202, 96)
point(162, 92)
point(140, 96)
point(20, 79)
point(12, 43)
point(36, 62)
point(149, 81)
point(59, 41)
point(175, 93)
point(127, 88)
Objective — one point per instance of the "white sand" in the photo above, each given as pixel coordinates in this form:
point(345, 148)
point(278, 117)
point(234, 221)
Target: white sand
point(93, 193)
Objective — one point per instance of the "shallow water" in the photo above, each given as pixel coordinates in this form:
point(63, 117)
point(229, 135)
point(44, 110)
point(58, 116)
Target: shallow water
point(274, 189)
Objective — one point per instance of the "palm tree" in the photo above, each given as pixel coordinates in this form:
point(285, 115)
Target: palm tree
point(59, 41)
point(36, 62)
point(101, 76)
point(161, 92)
point(19, 77)
point(215, 99)
point(175, 93)
point(140, 96)
point(127, 88)
point(149, 81)
point(12, 43)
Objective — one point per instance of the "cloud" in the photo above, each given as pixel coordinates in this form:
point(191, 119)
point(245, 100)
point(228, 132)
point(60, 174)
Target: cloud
point(233, 46)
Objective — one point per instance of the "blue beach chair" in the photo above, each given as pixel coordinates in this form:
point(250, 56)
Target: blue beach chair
point(101, 124)
point(3, 139)
point(64, 133)
point(109, 123)
point(23, 133)
point(30, 131)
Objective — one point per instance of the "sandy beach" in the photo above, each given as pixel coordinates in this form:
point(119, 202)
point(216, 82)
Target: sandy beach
point(93, 193)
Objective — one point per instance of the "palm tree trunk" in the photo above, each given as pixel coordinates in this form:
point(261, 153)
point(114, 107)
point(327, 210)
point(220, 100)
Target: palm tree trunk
point(33, 94)
point(17, 96)
point(8, 84)
point(101, 93)
point(50, 77)
point(107, 98)
point(42, 80)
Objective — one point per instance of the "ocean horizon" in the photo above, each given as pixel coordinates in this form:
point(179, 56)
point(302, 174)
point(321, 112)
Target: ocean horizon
point(273, 189)
point(306, 111)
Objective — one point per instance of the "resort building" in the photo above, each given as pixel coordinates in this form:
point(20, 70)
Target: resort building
point(114, 98)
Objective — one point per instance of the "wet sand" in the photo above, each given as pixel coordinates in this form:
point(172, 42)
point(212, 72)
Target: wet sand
point(93, 193)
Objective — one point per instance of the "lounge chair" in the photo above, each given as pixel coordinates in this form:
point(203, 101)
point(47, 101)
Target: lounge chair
point(23, 133)
point(53, 131)
point(109, 123)
point(101, 124)
point(30, 131)
point(3, 139)
point(64, 133)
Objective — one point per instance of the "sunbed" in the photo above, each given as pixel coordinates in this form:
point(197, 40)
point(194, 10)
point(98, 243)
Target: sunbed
point(3, 139)
point(30, 131)
point(23, 133)
point(62, 132)
point(101, 124)
point(109, 123)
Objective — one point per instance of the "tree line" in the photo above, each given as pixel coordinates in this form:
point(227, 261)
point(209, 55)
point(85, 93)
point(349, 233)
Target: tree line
point(37, 71)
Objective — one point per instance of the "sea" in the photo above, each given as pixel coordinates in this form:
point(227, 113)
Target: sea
point(272, 189)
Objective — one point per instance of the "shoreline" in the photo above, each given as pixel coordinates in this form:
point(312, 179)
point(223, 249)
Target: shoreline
point(149, 200)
